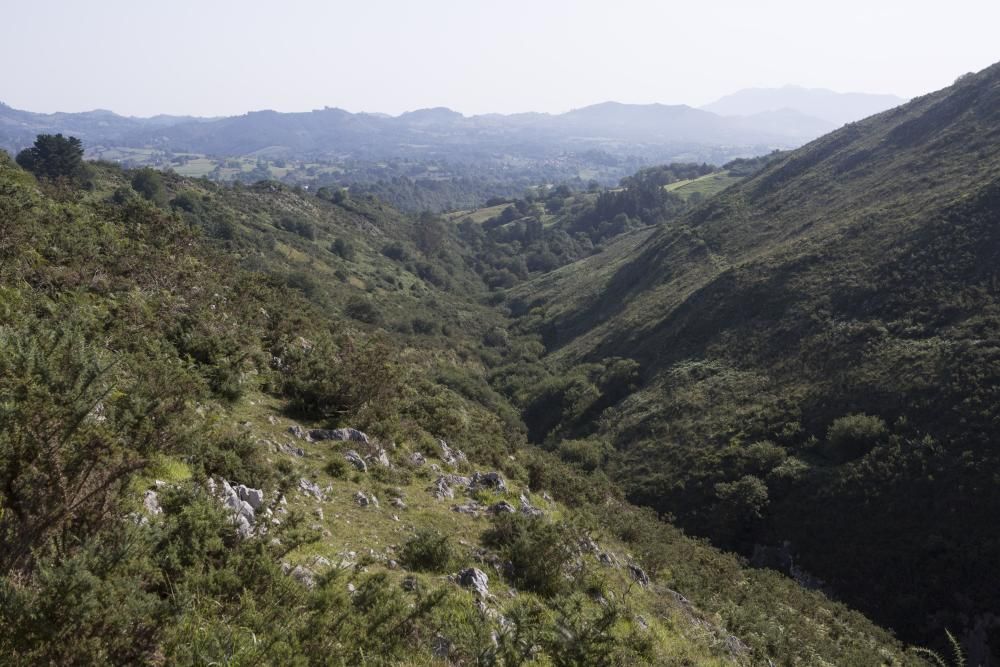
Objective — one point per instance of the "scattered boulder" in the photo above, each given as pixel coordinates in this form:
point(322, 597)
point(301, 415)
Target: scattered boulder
point(310, 489)
point(304, 576)
point(355, 459)
point(152, 503)
point(639, 575)
point(255, 497)
point(475, 579)
point(291, 449)
point(409, 583)
point(451, 456)
point(444, 486)
point(489, 480)
point(528, 508)
point(607, 558)
point(502, 507)
point(380, 457)
point(298, 432)
point(365, 500)
point(398, 502)
point(338, 434)
point(417, 459)
point(472, 508)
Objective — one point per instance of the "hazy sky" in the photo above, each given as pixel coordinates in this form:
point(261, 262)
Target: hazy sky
point(214, 57)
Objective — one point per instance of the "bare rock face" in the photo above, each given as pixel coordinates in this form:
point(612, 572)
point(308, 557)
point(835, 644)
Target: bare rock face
point(476, 580)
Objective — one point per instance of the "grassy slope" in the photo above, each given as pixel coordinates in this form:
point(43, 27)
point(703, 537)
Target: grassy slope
point(856, 274)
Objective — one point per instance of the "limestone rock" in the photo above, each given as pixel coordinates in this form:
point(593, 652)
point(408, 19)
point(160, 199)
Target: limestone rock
point(489, 480)
point(355, 460)
point(152, 503)
point(476, 580)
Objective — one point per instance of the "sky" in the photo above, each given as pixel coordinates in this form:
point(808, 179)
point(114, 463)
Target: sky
point(226, 57)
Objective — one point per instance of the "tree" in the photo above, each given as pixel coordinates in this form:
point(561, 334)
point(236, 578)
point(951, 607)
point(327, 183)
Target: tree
point(54, 156)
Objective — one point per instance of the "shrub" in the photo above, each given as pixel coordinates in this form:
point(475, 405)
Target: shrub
point(149, 183)
point(854, 436)
point(427, 551)
point(336, 467)
point(363, 310)
point(538, 551)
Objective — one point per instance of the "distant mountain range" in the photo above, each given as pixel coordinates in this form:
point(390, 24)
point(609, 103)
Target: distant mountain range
point(833, 108)
point(741, 124)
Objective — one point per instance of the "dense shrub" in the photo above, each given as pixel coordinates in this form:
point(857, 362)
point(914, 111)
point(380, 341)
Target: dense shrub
point(427, 551)
point(853, 436)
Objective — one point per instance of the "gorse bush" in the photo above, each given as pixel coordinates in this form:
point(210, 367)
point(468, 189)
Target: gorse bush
point(428, 551)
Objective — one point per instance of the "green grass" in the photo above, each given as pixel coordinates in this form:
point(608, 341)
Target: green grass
point(706, 186)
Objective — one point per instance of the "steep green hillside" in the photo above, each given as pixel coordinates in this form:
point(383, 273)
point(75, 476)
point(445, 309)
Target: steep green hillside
point(818, 362)
point(173, 358)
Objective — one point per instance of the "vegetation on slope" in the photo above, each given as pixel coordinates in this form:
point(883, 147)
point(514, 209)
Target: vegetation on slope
point(161, 332)
point(817, 363)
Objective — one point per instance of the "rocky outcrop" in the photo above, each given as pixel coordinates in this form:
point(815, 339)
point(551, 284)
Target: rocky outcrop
point(355, 460)
point(253, 496)
point(528, 508)
point(476, 580)
point(488, 480)
point(310, 489)
point(445, 485)
point(338, 435)
point(417, 459)
point(151, 503)
point(365, 499)
point(450, 456)
point(502, 507)
point(639, 575)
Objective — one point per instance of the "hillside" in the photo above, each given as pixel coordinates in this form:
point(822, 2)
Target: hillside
point(818, 363)
point(818, 103)
point(252, 425)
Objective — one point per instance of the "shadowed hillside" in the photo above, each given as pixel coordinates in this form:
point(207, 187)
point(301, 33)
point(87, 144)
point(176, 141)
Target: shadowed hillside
point(819, 360)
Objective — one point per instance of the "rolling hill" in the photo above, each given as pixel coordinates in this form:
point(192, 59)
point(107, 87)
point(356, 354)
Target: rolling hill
point(818, 363)
point(818, 103)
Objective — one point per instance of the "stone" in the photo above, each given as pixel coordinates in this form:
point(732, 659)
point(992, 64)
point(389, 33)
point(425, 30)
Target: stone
point(409, 583)
point(398, 502)
point(253, 496)
point(472, 508)
point(310, 489)
point(451, 456)
point(639, 575)
point(417, 459)
point(528, 508)
point(272, 420)
point(304, 576)
point(355, 460)
point(489, 480)
point(502, 507)
point(320, 561)
point(319, 513)
point(298, 432)
point(475, 579)
point(292, 449)
point(607, 558)
point(151, 503)
point(338, 434)
point(380, 457)
point(365, 500)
